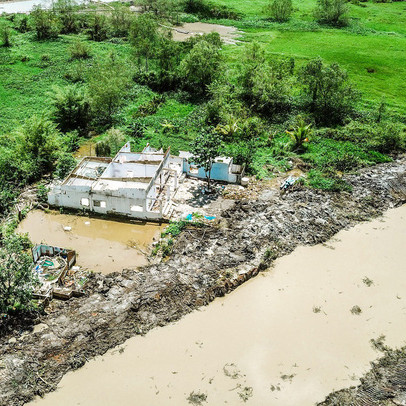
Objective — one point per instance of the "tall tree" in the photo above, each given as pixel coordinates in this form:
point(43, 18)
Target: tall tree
point(205, 148)
point(71, 108)
point(201, 66)
point(328, 94)
point(144, 37)
point(37, 144)
point(108, 82)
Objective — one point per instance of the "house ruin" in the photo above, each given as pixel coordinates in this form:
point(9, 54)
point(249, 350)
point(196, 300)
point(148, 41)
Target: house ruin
point(135, 184)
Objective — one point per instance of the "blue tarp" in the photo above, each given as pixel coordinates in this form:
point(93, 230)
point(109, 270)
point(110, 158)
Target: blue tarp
point(189, 217)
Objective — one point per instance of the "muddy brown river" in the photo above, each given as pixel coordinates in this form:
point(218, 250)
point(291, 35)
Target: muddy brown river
point(101, 245)
point(287, 337)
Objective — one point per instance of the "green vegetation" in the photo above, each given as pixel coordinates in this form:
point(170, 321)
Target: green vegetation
point(205, 149)
point(16, 277)
point(316, 80)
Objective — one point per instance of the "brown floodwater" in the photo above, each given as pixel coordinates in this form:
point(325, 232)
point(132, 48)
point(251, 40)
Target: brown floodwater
point(101, 245)
point(285, 338)
point(88, 148)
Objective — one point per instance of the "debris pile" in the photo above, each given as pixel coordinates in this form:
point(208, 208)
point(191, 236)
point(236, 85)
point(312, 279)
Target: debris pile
point(57, 276)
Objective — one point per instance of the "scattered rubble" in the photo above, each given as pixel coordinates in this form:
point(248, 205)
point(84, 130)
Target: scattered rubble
point(57, 276)
point(205, 263)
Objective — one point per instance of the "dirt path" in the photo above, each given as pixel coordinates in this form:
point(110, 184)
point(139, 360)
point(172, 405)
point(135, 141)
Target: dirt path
point(289, 338)
point(228, 34)
point(206, 263)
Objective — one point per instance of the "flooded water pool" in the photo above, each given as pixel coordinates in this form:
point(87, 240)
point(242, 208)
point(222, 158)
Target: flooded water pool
point(285, 338)
point(101, 245)
point(88, 148)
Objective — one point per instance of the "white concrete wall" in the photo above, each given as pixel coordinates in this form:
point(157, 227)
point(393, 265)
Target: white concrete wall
point(103, 203)
point(134, 170)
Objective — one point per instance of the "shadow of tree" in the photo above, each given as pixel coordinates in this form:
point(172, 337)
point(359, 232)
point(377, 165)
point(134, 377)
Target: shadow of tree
point(201, 196)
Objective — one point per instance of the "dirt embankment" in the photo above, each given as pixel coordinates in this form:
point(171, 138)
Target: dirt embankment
point(383, 385)
point(206, 263)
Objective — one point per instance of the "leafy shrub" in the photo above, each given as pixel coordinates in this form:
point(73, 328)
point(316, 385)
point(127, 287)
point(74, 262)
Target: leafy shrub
point(45, 60)
point(151, 106)
point(45, 23)
point(42, 193)
point(111, 143)
point(5, 35)
point(75, 73)
point(16, 277)
point(280, 10)
point(201, 66)
point(145, 38)
point(319, 180)
point(38, 146)
point(137, 129)
point(120, 21)
point(266, 87)
point(97, 29)
point(79, 50)
point(71, 110)
point(207, 9)
point(327, 155)
point(21, 23)
point(241, 152)
point(332, 12)
point(67, 16)
point(71, 141)
point(391, 137)
point(385, 137)
point(66, 162)
point(108, 83)
point(327, 93)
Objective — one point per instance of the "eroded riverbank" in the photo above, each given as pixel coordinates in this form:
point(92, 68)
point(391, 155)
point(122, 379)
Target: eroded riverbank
point(206, 263)
point(287, 339)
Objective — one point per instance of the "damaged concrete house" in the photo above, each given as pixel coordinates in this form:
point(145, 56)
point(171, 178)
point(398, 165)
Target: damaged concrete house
point(135, 184)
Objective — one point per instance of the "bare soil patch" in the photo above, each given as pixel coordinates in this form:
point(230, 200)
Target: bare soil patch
point(228, 34)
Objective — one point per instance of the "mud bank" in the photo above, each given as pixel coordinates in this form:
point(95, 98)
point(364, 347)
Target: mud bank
point(205, 263)
point(286, 338)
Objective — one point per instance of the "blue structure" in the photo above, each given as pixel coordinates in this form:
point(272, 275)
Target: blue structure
point(223, 169)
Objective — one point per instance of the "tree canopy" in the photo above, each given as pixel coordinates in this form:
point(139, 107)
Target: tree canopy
point(16, 276)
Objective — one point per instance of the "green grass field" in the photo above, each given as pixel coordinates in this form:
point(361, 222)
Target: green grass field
point(371, 49)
